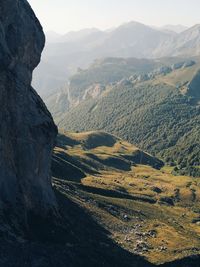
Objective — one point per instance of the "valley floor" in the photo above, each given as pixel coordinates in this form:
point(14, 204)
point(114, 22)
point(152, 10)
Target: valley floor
point(146, 211)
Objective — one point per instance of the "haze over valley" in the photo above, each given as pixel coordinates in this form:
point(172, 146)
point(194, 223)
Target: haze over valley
point(140, 84)
point(99, 133)
point(119, 68)
point(64, 54)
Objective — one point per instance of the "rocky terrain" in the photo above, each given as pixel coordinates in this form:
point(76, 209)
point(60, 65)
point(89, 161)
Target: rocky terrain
point(27, 130)
point(92, 82)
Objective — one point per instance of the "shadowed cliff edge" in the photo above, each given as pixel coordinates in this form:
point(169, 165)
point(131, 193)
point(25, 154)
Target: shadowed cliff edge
point(39, 226)
point(27, 130)
point(31, 234)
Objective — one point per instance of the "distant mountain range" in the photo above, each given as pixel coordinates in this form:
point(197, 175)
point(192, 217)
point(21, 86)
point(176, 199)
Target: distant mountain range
point(54, 37)
point(65, 53)
point(174, 28)
point(152, 103)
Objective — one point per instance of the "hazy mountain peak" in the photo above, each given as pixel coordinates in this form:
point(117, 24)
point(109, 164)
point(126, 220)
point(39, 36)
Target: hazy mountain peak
point(71, 36)
point(78, 49)
point(76, 36)
point(192, 32)
point(195, 27)
point(131, 24)
point(174, 28)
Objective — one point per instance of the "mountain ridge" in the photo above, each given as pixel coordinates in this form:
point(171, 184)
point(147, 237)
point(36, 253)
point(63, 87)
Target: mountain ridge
point(133, 107)
point(131, 39)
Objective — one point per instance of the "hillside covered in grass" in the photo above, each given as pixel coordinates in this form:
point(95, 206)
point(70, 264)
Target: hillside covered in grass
point(144, 209)
point(158, 111)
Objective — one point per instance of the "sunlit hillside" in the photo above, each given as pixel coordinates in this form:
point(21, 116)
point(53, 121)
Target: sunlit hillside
point(145, 209)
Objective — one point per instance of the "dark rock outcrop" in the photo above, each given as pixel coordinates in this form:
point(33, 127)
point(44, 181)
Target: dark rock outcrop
point(27, 130)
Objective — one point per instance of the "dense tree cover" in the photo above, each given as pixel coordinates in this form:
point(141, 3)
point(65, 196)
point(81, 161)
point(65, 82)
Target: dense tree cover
point(152, 103)
point(156, 117)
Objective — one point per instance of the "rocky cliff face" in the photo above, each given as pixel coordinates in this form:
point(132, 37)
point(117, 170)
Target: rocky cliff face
point(27, 131)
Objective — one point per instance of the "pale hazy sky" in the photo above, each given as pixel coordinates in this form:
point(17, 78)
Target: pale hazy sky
point(65, 15)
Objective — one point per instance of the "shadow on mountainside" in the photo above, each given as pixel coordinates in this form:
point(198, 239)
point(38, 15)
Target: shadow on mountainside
point(193, 261)
point(74, 239)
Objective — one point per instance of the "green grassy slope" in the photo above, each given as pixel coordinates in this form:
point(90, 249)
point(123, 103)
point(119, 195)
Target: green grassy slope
point(161, 116)
point(144, 211)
